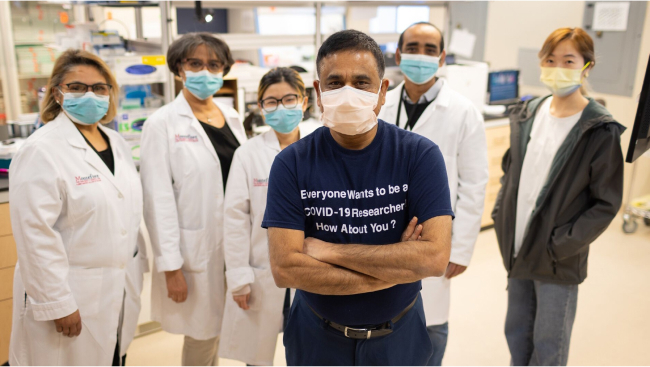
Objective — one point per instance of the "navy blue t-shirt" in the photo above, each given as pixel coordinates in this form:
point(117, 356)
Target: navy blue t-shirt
point(362, 196)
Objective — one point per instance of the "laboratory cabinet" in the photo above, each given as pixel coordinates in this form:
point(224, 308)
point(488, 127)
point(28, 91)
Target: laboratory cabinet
point(497, 133)
point(7, 265)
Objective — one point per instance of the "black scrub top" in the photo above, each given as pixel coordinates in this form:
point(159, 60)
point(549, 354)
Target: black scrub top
point(225, 144)
point(107, 154)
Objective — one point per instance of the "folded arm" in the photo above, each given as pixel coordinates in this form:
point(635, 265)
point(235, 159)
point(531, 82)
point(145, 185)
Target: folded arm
point(403, 262)
point(292, 268)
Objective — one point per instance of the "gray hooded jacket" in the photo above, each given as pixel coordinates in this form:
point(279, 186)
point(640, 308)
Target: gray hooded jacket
point(581, 196)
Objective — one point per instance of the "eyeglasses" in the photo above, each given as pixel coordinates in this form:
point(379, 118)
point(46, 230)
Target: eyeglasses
point(196, 65)
point(270, 104)
point(100, 89)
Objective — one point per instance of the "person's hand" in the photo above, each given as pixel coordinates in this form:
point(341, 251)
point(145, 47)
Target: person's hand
point(176, 285)
point(69, 325)
point(315, 248)
point(412, 231)
point(242, 301)
point(454, 270)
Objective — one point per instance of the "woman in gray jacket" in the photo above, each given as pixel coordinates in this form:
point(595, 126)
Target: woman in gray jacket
point(562, 186)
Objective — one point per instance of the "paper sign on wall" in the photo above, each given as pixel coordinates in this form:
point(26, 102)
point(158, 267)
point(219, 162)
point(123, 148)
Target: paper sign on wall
point(362, 12)
point(611, 16)
point(462, 43)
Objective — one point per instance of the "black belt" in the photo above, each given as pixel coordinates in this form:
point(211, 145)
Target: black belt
point(367, 333)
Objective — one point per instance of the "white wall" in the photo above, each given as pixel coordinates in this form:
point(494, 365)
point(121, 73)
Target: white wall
point(513, 25)
point(436, 16)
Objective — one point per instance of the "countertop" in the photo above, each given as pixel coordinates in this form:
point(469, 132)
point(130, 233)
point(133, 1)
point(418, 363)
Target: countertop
point(489, 124)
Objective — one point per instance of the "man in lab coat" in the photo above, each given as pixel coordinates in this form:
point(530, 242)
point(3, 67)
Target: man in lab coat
point(427, 106)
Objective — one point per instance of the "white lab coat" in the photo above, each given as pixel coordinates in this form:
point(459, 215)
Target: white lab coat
point(183, 210)
point(250, 336)
point(76, 227)
point(456, 126)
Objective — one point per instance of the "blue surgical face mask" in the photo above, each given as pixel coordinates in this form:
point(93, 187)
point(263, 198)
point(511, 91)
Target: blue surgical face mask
point(86, 109)
point(419, 68)
point(203, 84)
point(283, 120)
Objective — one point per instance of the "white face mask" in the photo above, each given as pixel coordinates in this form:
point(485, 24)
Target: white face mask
point(349, 111)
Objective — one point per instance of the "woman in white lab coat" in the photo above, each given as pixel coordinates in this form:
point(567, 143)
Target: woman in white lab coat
point(185, 155)
point(76, 207)
point(254, 304)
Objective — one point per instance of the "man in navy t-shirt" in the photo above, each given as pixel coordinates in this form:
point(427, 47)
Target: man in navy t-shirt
point(342, 209)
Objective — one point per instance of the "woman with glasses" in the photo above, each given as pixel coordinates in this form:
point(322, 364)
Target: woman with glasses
point(76, 207)
point(254, 304)
point(185, 155)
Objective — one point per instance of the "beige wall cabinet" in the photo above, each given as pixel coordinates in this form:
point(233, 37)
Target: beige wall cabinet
point(498, 142)
point(7, 264)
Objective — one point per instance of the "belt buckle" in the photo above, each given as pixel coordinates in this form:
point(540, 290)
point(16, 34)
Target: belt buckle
point(345, 332)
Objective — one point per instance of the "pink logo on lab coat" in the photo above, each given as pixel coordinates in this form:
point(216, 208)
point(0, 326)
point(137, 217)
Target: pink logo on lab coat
point(259, 182)
point(79, 180)
point(186, 138)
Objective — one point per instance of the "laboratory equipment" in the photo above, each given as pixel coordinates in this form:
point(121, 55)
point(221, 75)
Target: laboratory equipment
point(468, 78)
point(503, 87)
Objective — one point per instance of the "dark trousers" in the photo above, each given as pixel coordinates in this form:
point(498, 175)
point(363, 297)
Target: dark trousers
point(286, 308)
point(309, 341)
point(117, 361)
point(438, 335)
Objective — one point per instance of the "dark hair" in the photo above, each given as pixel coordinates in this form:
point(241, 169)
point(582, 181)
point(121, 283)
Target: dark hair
point(351, 40)
point(400, 43)
point(184, 46)
point(297, 68)
point(279, 75)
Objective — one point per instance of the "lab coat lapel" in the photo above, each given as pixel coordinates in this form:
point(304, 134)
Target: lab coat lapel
point(184, 109)
point(391, 107)
point(74, 137)
point(119, 179)
point(232, 119)
point(441, 101)
point(271, 140)
point(204, 138)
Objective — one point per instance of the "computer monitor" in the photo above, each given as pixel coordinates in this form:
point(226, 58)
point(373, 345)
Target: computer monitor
point(640, 141)
point(503, 87)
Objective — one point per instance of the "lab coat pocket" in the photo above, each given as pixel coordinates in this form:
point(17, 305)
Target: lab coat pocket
point(86, 286)
point(263, 282)
point(195, 250)
point(143, 262)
